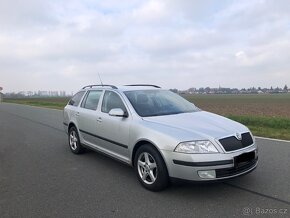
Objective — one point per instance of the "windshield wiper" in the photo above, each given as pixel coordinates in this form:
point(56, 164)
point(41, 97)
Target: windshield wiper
point(163, 114)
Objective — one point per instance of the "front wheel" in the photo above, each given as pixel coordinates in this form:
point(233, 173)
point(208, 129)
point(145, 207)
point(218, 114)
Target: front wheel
point(74, 141)
point(150, 168)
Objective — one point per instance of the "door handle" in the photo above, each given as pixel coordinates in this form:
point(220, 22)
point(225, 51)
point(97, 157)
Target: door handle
point(99, 119)
point(77, 114)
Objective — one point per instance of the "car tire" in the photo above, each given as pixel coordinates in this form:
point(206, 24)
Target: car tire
point(74, 141)
point(150, 168)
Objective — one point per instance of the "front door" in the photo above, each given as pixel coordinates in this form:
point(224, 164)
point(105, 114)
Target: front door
point(114, 131)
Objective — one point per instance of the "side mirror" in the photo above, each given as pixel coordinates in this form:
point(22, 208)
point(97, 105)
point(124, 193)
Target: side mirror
point(117, 112)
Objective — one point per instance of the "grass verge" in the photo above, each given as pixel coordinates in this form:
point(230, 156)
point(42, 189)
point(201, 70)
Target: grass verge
point(270, 127)
point(54, 103)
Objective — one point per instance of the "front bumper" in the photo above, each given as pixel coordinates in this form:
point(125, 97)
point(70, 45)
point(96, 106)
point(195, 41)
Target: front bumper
point(220, 165)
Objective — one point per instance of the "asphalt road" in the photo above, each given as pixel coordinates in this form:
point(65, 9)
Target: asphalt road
point(40, 177)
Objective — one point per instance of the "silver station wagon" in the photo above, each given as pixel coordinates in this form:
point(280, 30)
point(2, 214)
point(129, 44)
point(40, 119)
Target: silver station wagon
point(159, 133)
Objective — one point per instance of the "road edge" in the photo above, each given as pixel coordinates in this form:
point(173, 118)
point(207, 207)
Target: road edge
point(27, 105)
point(258, 137)
point(272, 139)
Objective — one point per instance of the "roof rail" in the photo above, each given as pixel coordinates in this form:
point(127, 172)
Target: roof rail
point(91, 86)
point(145, 85)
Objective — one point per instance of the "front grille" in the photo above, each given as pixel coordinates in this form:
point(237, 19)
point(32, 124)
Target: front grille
point(232, 143)
point(220, 173)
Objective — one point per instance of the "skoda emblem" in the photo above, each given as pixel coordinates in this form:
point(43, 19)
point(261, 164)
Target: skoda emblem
point(238, 136)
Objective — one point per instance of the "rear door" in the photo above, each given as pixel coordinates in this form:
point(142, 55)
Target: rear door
point(87, 117)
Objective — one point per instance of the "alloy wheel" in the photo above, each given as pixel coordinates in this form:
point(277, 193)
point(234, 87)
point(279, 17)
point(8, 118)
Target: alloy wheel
point(147, 168)
point(73, 140)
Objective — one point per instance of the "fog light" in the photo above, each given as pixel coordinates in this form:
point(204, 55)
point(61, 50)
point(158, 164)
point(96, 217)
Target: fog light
point(207, 174)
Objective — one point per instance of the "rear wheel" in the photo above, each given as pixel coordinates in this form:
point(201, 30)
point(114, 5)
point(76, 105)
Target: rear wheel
point(150, 168)
point(74, 141)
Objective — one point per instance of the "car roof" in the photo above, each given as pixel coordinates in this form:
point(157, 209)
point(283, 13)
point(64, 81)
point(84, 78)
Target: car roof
point(122, 88)
point(134, 88)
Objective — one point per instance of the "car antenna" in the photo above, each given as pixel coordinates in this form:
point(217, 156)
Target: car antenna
point(100, 79)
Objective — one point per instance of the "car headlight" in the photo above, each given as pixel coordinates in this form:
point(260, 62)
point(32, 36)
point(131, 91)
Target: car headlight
point(193, 147)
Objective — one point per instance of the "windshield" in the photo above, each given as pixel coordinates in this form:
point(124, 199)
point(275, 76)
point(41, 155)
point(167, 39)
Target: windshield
point(149, 103)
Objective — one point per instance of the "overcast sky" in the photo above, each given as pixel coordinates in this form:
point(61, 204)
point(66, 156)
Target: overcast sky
point(63, 45)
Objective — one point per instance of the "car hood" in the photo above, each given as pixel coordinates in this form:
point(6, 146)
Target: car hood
point(202, 124)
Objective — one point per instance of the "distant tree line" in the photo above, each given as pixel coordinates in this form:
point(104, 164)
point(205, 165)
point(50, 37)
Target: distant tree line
point(30, 94)
point(202, 90)
point(221, 90)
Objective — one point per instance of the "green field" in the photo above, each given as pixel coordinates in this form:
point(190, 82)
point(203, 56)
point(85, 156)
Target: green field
point(267, 115)
point(269, 105)
point(55, 103)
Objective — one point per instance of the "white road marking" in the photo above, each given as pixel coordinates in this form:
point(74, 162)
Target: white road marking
point(271, 139)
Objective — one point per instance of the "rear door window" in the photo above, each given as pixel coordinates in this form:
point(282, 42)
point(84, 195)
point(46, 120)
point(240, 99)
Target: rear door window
point(92, 100)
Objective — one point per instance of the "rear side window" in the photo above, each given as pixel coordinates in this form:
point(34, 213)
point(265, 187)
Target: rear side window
point(112, 100)
point(92, 100)
point(75, 100)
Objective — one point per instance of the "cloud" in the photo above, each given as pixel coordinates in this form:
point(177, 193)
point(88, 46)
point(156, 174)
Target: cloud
point(53, 45)
point(240, 54)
